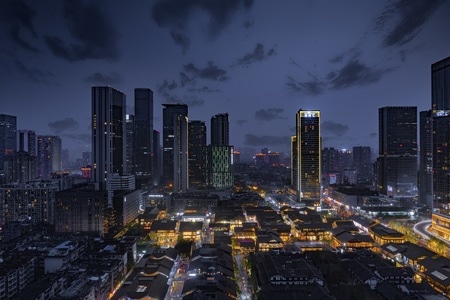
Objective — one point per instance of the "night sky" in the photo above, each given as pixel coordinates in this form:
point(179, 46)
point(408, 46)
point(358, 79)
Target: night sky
point(260, 61)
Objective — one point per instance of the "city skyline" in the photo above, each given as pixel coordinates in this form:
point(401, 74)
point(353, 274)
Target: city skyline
point(254, 60)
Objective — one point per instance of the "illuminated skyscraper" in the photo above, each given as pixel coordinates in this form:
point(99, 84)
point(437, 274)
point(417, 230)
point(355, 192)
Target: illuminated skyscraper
point(440, 106)
point(8, 137)
point(108, 134)
point(309, 155)
point(170, 119)
point(180, 155)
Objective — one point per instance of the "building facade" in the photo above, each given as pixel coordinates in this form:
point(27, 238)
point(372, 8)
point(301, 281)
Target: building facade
point(309, 157)
point(197, 143)
point(397, 157)
point(108, 134)
point(143, 138)
point(48, 155)
point(170, 117)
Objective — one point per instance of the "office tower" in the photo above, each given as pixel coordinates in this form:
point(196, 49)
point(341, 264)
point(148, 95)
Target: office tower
point(8, 137)
point(425, 179)
point(48, 155)
point(108, 134)
point(219, 167)
point(309, 155)
point(180, 153)
point(130, 156)
point(197, 143)
point(330, 160)
point(143, 135)
point(397, 158)
point(220, 130)
point(157, 158)
point(294, 161)
point(25, 160)
point(440, 106)
point(170, 118)
point(27, 141)
point(362, 161)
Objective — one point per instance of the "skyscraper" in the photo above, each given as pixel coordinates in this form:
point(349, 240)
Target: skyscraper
point(362, 160)
point(397, 160)
point(170, 119)
point(309, 155)
point(48, 155)
point(8, 137)
point(197, 143)
point(129, 146)
point(220, 130)
point(180, 155)
point(440, 109)
point(425, 176)
point(143, 136)
point(108, 134)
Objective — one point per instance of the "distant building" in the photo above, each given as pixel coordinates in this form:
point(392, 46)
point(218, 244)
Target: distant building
point(425, 176)
point(220, 130)
point(362, 161)
point(48, 155)
point(8, 137)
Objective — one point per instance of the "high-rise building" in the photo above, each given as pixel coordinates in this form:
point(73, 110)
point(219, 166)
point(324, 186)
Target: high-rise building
point(170, 119)
point(197, 143)
point(220, 130)
point(180, 153)
point(129, 146)
point(157, 158)
point(362, 161)
point(440, 109)
point(294, 161)
point(27, 141)
point(108, 134)
point(397, 160)
point(48, 155)
point(219, 167)
point(143, 132)
point(309, 156)
point(425, 177)
point(8, 137)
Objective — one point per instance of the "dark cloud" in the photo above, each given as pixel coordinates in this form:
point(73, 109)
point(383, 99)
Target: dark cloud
point(176, 15)
point(65, 124)
point(18, 15)
point(34, 74)
point(93, 31)
point(166, 86)
point(184, 79)
point(334, 128)
point(249, 23)
point(355, 73)
point(373, 135)
point(269, 114)
point(211, 72)
point(257, 55)
point(81, 138)
point(98, 78)
point(241, 122)
point(204, 89)
point(14, 35)
point(312, 87)
point(266, 140)
point(402, 20)
point(190, 100)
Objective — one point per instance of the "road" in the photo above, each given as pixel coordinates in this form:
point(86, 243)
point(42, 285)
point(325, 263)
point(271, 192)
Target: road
point(421, 228)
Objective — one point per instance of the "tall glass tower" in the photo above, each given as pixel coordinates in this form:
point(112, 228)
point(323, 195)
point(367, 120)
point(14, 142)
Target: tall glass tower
point(440, 109)
point(397, 160)
point(8, 137)
point(108, 134)
point(143, 132)
point(171, 112)
point(309, 156)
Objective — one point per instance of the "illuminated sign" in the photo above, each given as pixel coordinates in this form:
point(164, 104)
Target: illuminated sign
point(309, 114)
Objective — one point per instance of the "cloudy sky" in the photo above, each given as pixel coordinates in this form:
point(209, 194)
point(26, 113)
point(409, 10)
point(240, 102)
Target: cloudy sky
point(260, 61)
